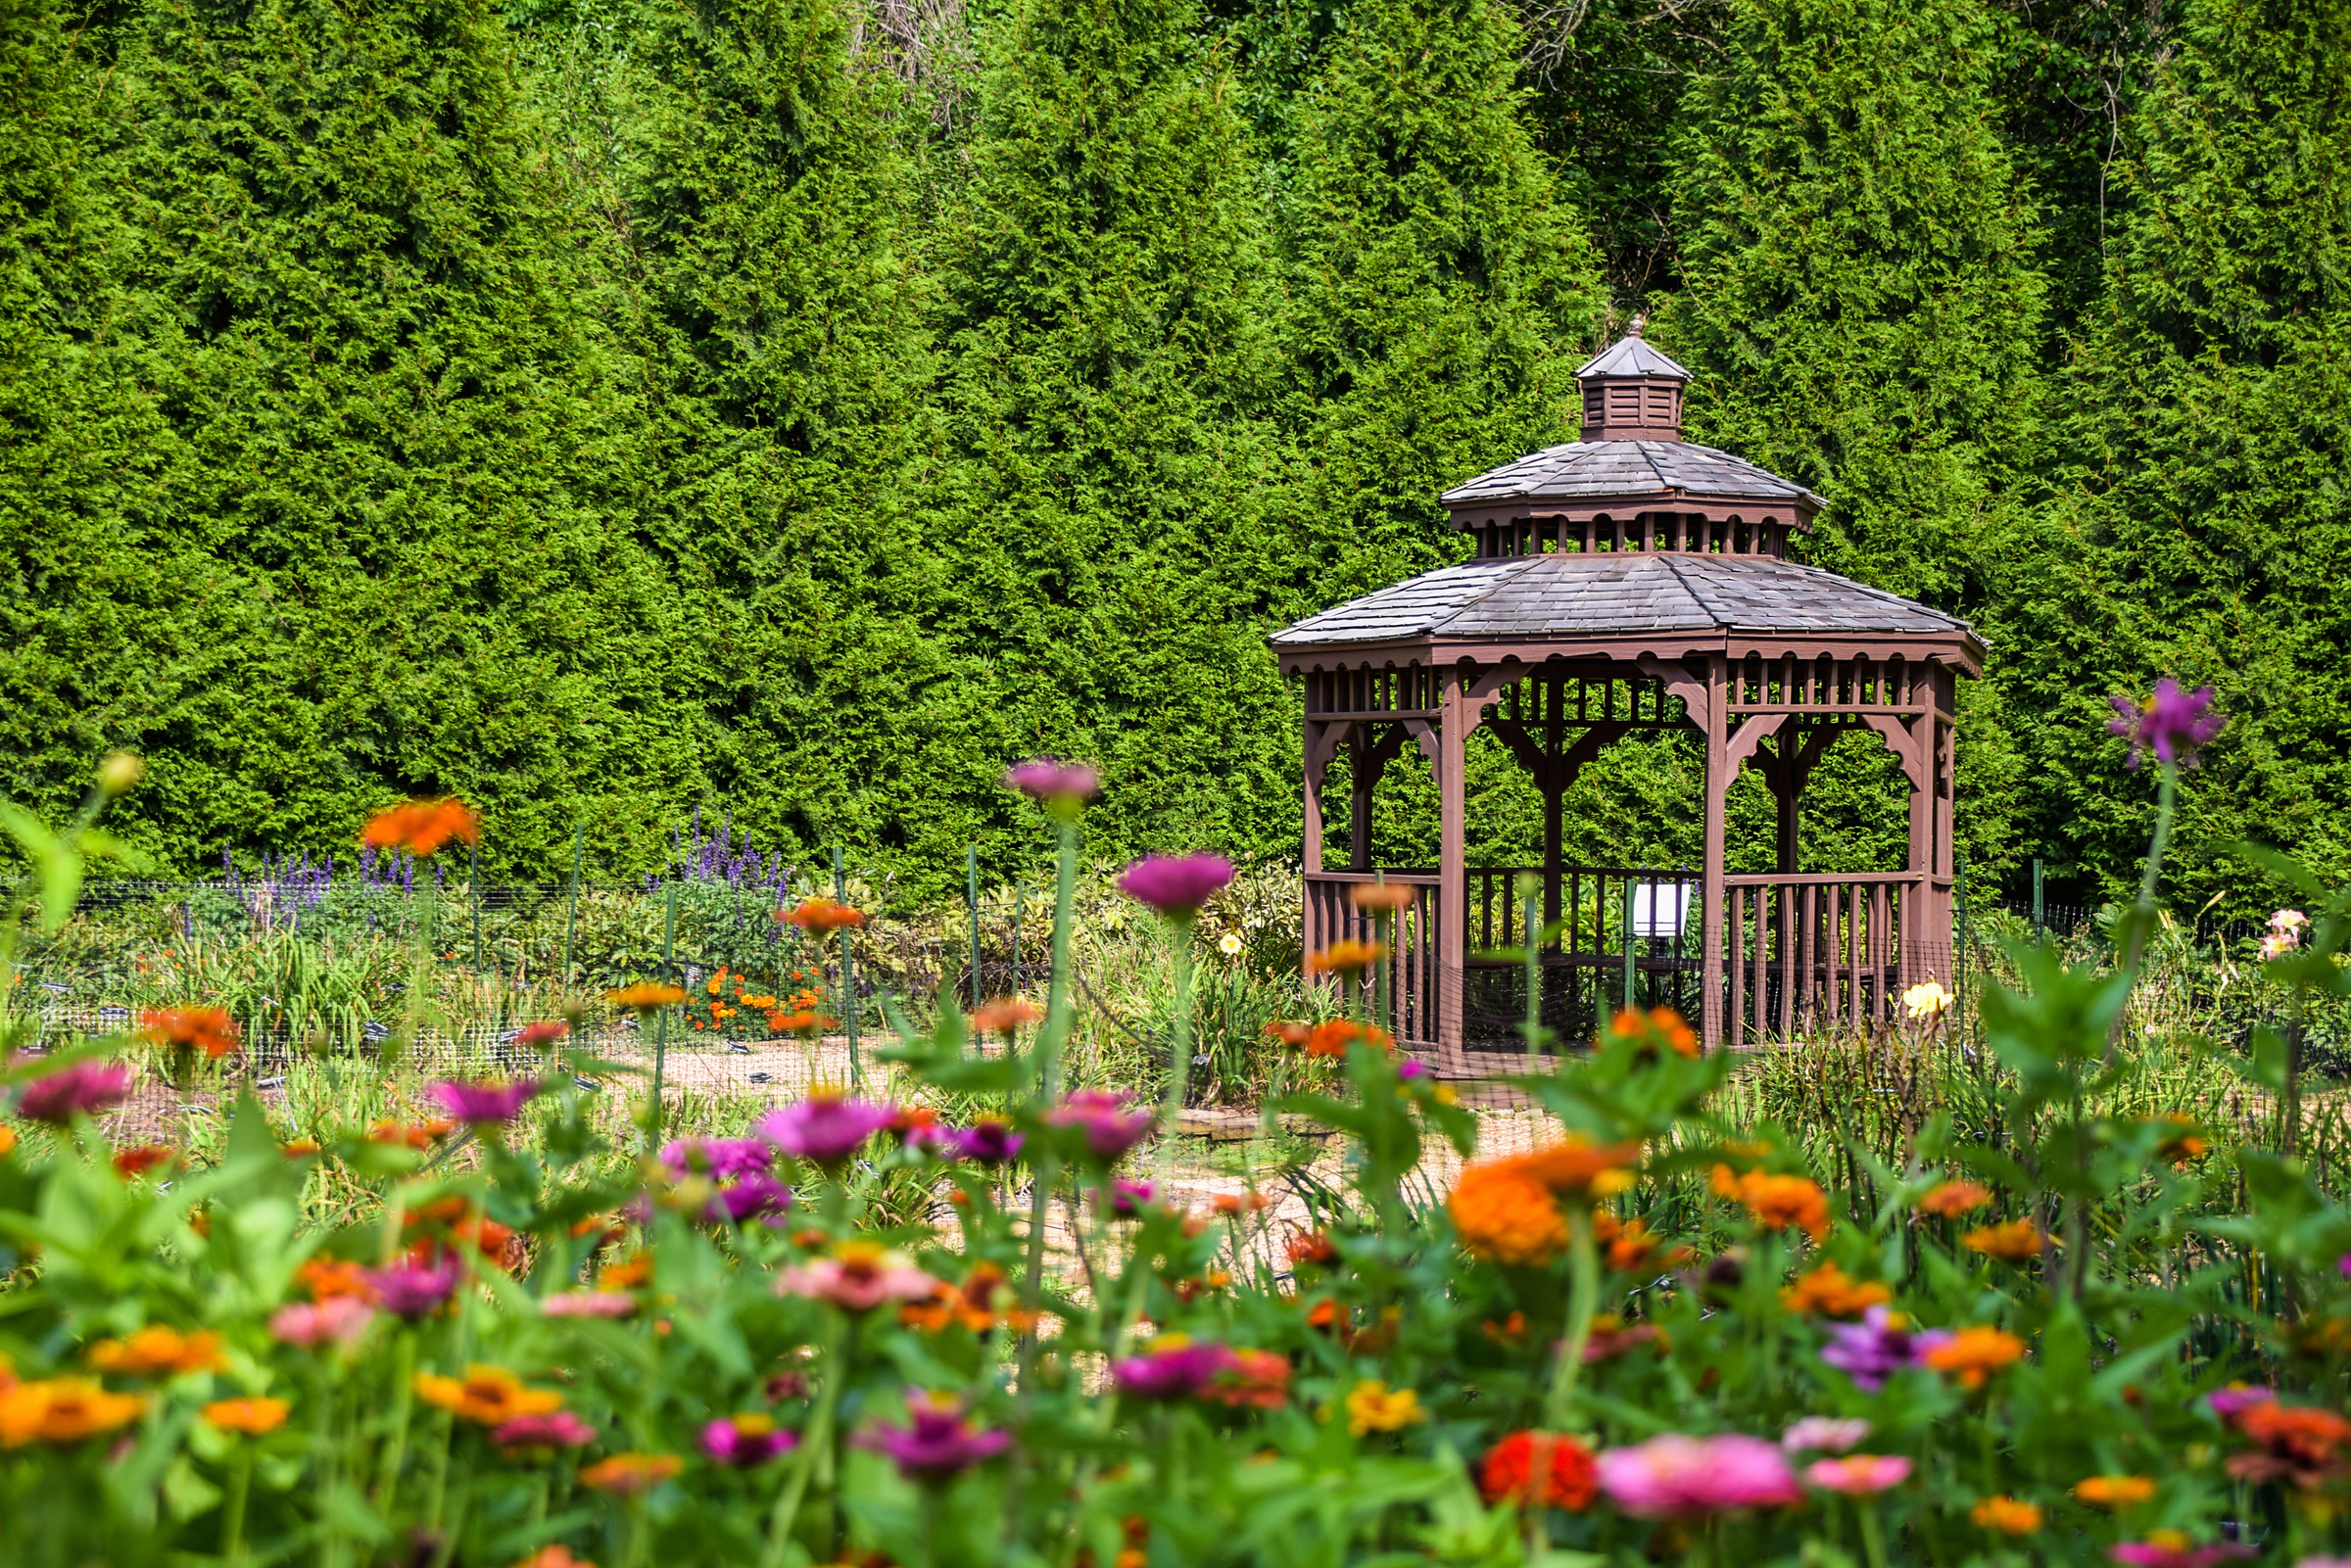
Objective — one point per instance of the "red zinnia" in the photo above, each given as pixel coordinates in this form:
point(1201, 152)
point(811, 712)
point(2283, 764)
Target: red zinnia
point(1544, 1467)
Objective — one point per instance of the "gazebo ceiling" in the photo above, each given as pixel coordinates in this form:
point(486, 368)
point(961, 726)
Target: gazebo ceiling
point(1682, 599)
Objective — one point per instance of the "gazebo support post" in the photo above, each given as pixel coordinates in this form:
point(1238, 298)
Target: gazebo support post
point(1453, 867)
point(1719, 773)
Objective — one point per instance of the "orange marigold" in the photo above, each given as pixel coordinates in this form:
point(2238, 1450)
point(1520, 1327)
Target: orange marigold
point(1833, 1292)
point(1343, 956)
point(421, 826)
point(644, 996)
point(2016, 1241)
point(1974, 1354)
point(1505, 1215)
point(2115, 1492)
point(818, 916)
point(209, 1029)
point(2005, 1515)
point(810, 1021)
point(1951, 1199)
point(1776, 1202)
point(64, 1409)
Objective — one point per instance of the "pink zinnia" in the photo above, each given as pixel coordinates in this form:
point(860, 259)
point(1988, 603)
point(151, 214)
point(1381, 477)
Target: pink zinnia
point(743, 1440)
point(83, 1089)
point(1111, 1129)
point(557, 1429)
point(340, 1318)
point(1677, 1476)
point(2165, 1554)
point(1859, 1475)
point(482, 1105)
point(860, 1278)
point(1175, 885)
point(1825, 1434)
point(824, 1128)
point(2172, 722)
point(937, 1444)
point(587, 1303)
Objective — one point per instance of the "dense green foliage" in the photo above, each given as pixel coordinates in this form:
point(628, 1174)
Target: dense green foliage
point(607, 407)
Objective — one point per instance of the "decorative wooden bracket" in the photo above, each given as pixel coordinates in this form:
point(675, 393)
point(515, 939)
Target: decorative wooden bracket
point(1900, 734)
point(1680, 682)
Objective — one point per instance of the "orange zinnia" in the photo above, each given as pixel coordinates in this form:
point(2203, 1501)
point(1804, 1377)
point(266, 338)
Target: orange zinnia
point(252, 1417)
point(417, 1135)
point(1380, 897)
point(1578, 1166)
point(1776, 1202)
point(1974, 1354)
point(1661, 1027)
point(630, 1473)
point(1332, 1036)
point(2016, 1241)
point(490, 1395)
point(802, 1024)
point(2115, 1492)
point(421, 826)
point(644, 996)
point(1951, 1199)
point(1833, 1292)
point(1503, 1215)
point(2005, 1515)
point(209, 1029)
point(160, 1349)
point(1345, 956)
point(1004, 1015)
point(326, 1278)
point(1631, 1245)
point(818, 916)
point(64, 1409)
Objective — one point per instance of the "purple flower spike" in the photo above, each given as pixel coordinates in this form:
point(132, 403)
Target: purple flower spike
point(83, 1089)
point(937, 1444)
point(1178, 1372)
point(1872, 1351)
point(1175, 885)
point(2173, 724)
point(824, 1128)
point(740, 1442)
point(1111, 1129)
point(412, 1290)
point(988, 1143)
point(1062, 788)
point(482, 1105)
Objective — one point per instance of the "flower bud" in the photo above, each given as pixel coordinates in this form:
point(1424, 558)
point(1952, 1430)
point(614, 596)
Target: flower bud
point(119, 771)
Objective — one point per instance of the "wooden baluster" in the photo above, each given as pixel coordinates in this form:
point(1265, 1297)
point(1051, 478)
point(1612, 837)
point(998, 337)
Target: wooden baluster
point(1881, 932)
point(1738, 971)
point(1762, 990)
point(1787, 961)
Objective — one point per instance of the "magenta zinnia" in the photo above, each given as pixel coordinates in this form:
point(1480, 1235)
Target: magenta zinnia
point(937, 1444)
point(483, 1104)
point(826, 1128)
point(1110, 1128)
point(2173, 724)
point(1175, 885)
point(83, 1089)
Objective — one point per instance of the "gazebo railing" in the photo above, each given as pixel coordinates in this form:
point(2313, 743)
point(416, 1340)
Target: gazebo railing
point(1828, 950)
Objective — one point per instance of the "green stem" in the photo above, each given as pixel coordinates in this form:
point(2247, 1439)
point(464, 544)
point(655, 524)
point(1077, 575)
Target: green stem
point(818, 1438)
point(1873, 1534)
point(403, 1397)
point(240, 1484)
point(1583, 1297)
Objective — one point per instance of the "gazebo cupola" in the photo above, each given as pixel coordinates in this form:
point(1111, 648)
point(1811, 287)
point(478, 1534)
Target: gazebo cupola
point(1635, 581)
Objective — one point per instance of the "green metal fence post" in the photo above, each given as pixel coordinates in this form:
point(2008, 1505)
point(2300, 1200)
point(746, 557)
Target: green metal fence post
point(669, 953)
point(848, 976)
point(1959, 967)
point(970, 879)
point(2039, 925)
point(473, 875)
point(571, 920)
point(1628, 944)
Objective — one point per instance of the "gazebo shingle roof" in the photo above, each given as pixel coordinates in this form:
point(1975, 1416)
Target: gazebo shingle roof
point(1634, 471)
point(1575, 594)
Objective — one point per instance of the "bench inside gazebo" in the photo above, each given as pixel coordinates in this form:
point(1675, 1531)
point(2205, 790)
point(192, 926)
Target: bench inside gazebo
point(1633, 581)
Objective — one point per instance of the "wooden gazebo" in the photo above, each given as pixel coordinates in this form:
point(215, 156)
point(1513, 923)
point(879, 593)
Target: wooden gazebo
point(1628, 582)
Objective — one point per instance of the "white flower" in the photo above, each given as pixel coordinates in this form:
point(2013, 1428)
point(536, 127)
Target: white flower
point(1230, 945)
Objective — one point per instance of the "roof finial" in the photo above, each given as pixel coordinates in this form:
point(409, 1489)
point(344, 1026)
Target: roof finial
point(1639, 321)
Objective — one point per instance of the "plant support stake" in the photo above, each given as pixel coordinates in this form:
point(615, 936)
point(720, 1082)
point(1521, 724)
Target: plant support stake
point(571, 920)
point(669, 950)
point(970, 882)
point(848, 976)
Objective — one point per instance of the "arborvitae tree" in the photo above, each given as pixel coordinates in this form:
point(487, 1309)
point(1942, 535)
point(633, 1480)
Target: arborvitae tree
point(2202, 529)
point(1107, 318)
point(1441, 296)
point(1863, 312)
point(778, 320)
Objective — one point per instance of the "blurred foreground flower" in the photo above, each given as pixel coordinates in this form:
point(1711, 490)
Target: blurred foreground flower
point(743, 1440)
point(254, 1417)
point(1875, 1349)
point(2171, 1548)
point(489, 1395)
point(644, 996)
point(2005, 1515)
point(83, 1089)
point(820, 917)
point(413, 1290)
point(2172, 722)
point(545, 1032)
point(1173, 1368)
point(189, 1030)
point(1927, 999)
point(1062, 788)
point(484, 1105)
point(338, 1319)
point(1833, 1292)
point(1776, 1201)
point(938, 1443)
point(1380, 897)
point(1345, 958)
point(421, 826)
point(1373, 1406)
point(1539, 1469)
point(159, 1351)
point(543, 1432)
point(1860, 1475)
point(587, 1303)
point(1004, 1015)
point(1677, 1476)
point(1972, 1354)
point(63, 1410)
point(2115, 1492)
point(1102, 1115)
point(1823, 1434)
point(1951, 1199)
point(630, 1473)
point(825, 1129)
point(1175, 885)
point(987, 1142)
point(858, 1277)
